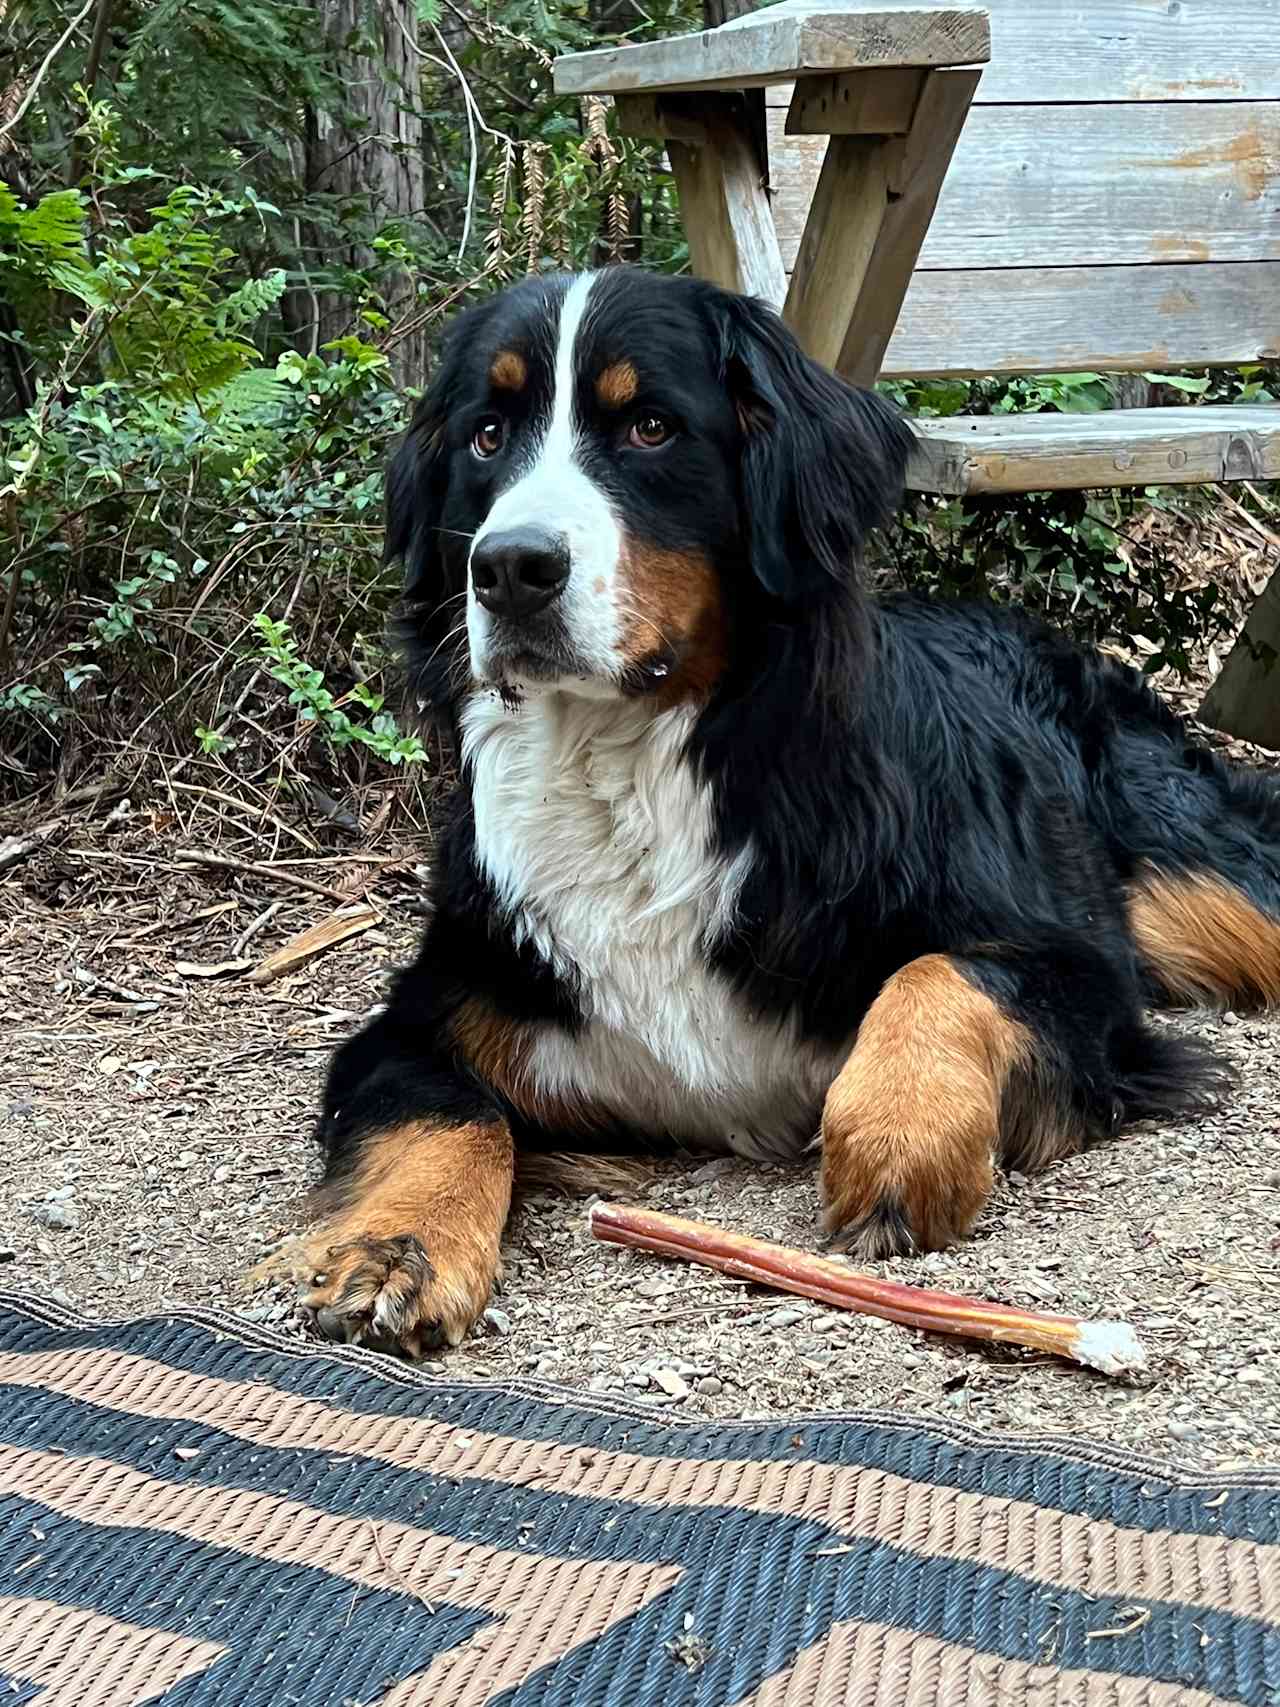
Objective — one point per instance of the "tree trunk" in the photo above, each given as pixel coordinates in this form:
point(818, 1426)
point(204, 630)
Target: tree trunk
point(97, 46)
point(716, 12)
point(363, 153)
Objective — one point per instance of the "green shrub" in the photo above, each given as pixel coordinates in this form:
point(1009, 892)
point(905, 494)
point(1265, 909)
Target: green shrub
point(171, 480)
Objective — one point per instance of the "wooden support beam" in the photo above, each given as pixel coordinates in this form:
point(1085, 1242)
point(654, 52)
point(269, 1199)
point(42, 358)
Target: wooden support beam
point(855, 103)
point(839, 243)
point(915, 182)
point(1245, 699)
point(676, 118)
point(869, 215)
point(725, 209)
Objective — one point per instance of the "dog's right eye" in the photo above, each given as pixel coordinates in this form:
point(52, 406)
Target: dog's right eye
point(649, 431)
point(490, 436)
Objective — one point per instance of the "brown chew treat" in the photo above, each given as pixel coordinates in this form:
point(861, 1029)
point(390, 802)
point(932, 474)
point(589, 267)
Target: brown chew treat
point(1112, 1347)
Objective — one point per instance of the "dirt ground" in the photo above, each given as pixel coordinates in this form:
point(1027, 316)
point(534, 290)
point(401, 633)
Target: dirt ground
point(154, 1142)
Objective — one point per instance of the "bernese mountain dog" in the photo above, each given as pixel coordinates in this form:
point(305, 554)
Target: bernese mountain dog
point(740, 858)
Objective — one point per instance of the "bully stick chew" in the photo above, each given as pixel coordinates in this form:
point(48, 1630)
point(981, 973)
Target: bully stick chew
point(1112, 1347)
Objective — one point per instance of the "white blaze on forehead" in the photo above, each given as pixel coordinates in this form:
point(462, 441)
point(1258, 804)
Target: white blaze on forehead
point(561, 441)
point(550, 490)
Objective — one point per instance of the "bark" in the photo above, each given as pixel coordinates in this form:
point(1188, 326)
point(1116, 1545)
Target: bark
point(363, 153)
point(722, 11)
point(92, 70)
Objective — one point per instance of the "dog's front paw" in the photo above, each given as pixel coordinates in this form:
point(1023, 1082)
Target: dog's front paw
point(887, 1192)
point(396, 1293)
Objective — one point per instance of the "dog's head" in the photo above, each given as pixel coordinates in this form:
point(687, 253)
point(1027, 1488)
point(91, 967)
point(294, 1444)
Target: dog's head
point(612, 474)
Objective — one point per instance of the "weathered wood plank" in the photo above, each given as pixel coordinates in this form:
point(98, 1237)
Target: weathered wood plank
point(667, 116)
point(917, 169)
point(1122, 447)
point(855, 103)
point(834, 260)
point(1081, 186)
point(1067, 319)
point(775, 44)
point(1245, 699)
point(725, 210)
point(1128, 50)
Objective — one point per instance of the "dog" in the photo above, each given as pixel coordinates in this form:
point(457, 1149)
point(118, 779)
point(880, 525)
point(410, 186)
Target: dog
point(739, 856)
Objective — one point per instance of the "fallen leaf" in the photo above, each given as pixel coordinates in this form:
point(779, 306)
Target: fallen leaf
point(690, 1651)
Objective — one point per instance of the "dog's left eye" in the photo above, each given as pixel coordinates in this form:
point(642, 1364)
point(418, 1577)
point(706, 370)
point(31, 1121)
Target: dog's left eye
point(489, 437)
point(649, 431)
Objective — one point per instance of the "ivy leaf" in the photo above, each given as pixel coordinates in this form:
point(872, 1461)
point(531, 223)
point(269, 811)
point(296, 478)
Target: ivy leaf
point(1179, 382)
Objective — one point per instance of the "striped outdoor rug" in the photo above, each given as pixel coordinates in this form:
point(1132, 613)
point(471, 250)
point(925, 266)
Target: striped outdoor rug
point(199, 1512)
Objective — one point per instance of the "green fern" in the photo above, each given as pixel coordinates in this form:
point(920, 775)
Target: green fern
point(54, 226)
point(255, 394)
point(247, 304)
point(173, 347)
point(80, 280)
point(208, 364)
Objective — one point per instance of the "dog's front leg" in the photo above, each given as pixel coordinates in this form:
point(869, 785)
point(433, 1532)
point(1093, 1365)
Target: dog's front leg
point(911, 1123)
point(407, 1248)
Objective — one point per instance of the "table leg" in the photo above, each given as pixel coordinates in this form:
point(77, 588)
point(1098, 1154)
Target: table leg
point(870, 212)
point(1245, 699)
point(725, 210)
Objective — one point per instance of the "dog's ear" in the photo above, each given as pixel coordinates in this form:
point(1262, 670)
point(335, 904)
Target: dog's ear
point(416, 481)
point(418, 476)
point(435, 563)
point(822, 462)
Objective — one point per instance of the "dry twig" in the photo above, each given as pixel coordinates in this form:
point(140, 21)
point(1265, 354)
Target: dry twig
point(251, 868)
point(338, 927)
point(246, 806)
point(47, 61)
point(254, 927)
point(397, 1577)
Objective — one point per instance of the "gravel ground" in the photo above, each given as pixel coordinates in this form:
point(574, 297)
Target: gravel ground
point(154, 1142)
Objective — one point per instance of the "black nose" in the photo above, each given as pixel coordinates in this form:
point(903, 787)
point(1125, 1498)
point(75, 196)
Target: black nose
point(519, 572)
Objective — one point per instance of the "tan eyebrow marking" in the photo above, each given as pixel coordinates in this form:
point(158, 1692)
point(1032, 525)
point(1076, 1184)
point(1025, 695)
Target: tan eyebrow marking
point(617, 385)
point(509, 371)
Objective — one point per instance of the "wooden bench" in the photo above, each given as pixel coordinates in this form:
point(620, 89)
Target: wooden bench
point(1103, 196)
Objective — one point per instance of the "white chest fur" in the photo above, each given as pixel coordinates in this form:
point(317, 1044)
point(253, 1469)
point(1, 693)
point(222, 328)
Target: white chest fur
point(597, 836)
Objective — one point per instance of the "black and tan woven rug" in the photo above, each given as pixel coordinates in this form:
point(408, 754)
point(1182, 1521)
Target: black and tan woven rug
point(201, 1513)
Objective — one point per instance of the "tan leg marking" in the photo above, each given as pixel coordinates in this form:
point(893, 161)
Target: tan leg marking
point(406, 1252)
point(497, 1049)
point(1205, 942)
point(911, 1122)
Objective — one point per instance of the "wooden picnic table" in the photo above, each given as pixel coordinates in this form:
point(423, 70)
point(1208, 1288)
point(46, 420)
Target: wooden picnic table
point(876, 81)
